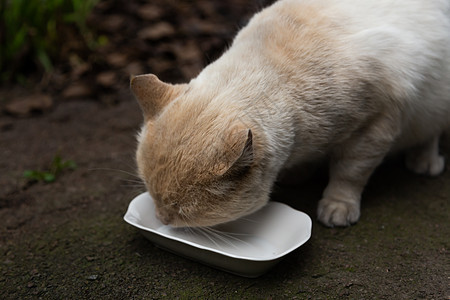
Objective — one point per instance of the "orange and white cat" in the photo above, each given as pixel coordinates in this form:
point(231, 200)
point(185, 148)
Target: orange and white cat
point(343, 80)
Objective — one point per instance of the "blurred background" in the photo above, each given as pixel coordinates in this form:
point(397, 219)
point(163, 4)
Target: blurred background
point(66, 49)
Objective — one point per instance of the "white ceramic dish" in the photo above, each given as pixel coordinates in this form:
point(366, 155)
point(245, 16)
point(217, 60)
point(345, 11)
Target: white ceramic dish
point(248, 247)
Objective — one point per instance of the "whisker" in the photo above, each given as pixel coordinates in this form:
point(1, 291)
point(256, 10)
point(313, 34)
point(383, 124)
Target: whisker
point(222, 238)
point(250, 220)
point(230, 236)
point(115, 170)
point(198, 230)
point(133, 181)
point(133, 186)
point(219, 237)
point(185, 218)
point(229, 233)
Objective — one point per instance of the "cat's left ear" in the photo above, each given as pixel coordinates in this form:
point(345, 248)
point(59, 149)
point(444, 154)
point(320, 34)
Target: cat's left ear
point(153, 94)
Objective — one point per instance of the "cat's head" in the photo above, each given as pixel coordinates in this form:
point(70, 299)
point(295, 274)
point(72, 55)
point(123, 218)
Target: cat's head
point(199, 161)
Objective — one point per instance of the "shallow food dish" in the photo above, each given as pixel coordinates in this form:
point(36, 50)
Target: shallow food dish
point(248, 246)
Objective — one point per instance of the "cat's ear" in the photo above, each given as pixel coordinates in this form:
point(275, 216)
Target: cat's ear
point(239, 150)
point(153, 94)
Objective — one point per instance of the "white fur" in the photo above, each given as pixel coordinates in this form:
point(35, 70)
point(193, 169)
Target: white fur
point(341, 79)
point(408, 41)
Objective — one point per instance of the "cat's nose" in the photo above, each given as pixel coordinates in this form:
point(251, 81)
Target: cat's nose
point(165, 219)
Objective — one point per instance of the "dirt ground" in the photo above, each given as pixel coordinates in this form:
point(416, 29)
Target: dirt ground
point(67, 239)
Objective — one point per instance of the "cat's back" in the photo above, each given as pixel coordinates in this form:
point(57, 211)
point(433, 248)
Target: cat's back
point(365, 24)
point(369, 13)
point(401, 48)
point(398, 34)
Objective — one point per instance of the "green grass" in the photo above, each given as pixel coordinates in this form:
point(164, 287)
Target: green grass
point(56, 167)
point(31, 32)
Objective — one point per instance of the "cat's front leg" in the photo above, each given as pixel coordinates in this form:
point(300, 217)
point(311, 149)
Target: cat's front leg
point(351, 165)
point(340, 205)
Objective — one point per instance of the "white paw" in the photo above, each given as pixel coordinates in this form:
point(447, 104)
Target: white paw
point(431, 166)
point(337, 213)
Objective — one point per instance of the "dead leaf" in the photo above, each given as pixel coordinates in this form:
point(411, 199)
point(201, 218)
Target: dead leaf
point(157, 31)
point(24, 106)
point(159, 65)
point(112, 23)
point(106, 79)
point(117, 59)
point(195, 27)
point(79, 70)
point(149, 12)
point(77, 90)
point(188, 52)
point(134, 68)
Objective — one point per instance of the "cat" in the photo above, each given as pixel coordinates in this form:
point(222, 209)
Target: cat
point(343, 80)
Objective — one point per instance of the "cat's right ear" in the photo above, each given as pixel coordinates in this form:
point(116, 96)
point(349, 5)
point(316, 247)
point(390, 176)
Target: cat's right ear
point(153, 94)
point(239, 153)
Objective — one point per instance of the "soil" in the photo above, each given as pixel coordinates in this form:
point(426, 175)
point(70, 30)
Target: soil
point(67, 239)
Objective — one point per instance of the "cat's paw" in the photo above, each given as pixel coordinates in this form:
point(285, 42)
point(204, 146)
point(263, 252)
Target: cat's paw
point(431, 165)
point(337, 213)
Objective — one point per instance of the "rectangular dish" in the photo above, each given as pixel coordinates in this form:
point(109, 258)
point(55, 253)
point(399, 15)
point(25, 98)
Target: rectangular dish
point(248, 246)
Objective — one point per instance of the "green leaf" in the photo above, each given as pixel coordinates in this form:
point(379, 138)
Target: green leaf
point(44, 59)
point(69, 164)
point(34, 175)
point(33, 25)
point(56, 167)
point(29, 174)
point(19, 40)
point(102, 40)
point(49, 177)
